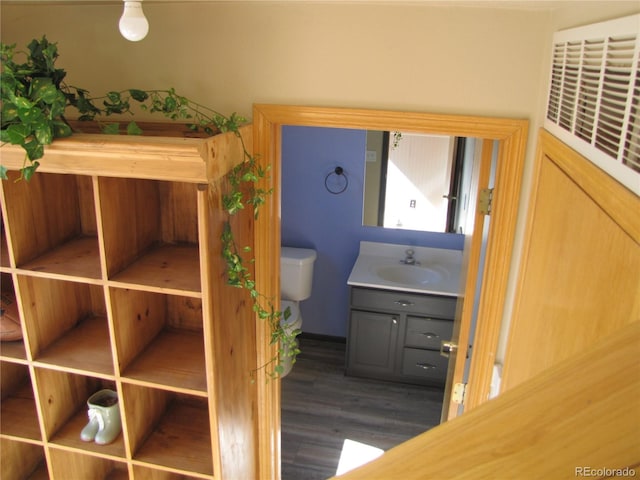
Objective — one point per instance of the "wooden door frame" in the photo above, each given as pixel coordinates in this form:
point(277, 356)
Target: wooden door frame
point(511, 135)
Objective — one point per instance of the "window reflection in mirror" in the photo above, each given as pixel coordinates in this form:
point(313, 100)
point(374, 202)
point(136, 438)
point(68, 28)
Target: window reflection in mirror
point(417, 181)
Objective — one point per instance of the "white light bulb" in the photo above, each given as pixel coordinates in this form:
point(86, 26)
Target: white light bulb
point(133, 24)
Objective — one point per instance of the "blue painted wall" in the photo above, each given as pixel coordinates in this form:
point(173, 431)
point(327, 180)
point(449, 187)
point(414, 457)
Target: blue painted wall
point(312, 217)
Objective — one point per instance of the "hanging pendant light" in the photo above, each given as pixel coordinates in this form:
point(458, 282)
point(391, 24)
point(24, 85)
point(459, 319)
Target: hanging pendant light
point(133, 24)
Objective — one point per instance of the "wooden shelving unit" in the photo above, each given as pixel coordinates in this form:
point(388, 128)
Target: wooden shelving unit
point(112, 253)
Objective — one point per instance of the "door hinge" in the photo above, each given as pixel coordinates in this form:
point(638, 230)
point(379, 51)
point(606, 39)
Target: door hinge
point(485, 200)
point(459, 391)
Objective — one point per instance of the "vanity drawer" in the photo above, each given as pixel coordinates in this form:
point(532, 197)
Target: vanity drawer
point(425, 364)
point(427, 332)
point(373, 299)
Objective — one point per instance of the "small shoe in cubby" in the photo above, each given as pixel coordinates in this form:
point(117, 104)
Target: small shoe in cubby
point(104, 418)
point(63, 403)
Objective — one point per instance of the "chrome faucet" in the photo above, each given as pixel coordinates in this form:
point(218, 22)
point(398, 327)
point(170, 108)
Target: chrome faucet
point(409, 259)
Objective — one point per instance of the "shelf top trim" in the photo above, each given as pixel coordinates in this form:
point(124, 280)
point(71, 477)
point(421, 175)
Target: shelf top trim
point(195, 160)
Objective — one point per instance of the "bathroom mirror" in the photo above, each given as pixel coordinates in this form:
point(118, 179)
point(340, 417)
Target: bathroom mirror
point(417, 181)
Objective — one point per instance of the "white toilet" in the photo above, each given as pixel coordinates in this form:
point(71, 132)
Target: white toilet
point(296, 276)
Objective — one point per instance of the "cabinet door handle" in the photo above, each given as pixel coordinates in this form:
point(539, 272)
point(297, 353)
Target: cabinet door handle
point(394, 320)
point(404, 303)
point(429, 335)
point(425, 365)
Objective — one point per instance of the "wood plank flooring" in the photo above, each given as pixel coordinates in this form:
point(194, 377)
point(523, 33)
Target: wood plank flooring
point(321, 407)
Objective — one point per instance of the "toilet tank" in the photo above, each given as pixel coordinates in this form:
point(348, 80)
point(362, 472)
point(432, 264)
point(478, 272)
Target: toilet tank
point(296, 272)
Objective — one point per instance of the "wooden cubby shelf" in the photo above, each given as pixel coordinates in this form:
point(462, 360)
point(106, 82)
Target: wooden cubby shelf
point(151, 234)
point(170, 430)
point(18, 415)
point(67, 325)
point(112, 251)
point(52, 222)
point(63, 397)
point(22, 460)
point(165, 268)
point(159, 339)
point(78, 258)
point(85, 466)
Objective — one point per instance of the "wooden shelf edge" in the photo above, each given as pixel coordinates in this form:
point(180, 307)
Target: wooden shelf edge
point(186, 426)
point(158, 366)
point(16, 438)
point(193, 160)
point(76, 260)
point(168, 388)
point(167, 269)
point(164, 468)
point(14, 352)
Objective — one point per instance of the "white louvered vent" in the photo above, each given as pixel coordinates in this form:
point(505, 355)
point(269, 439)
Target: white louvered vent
point(594, 95)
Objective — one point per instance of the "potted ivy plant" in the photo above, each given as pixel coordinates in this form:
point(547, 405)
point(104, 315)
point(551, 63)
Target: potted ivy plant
point(35, 98)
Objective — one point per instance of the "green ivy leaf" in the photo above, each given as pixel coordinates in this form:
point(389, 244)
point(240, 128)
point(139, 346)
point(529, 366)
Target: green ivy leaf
point(16, 134)
point(44, 133)
point(31, 115)
point(50, 94)
point(170, 105)
point(138, 95)
point(58, 105)
point(133, 129)
point(111, 129)
point(34, 150)
point(27, 172)
point(61, 129)
point(22, 103)
point(3, 173)
point(9, 112)
point(114, 97)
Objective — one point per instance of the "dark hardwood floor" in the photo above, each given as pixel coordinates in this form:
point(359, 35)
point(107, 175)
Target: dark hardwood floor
point(321, 407)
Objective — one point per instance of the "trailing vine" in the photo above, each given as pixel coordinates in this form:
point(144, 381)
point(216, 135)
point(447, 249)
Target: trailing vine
point(35, 98)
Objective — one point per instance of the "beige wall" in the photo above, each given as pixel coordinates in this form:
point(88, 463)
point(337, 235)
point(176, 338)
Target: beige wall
point(419, 57)
point(230, 55)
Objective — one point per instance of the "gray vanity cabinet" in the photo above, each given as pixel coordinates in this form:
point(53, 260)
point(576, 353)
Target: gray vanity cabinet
point(396, 335)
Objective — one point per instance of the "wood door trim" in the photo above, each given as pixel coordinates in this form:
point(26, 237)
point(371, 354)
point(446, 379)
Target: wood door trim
point(512, 136)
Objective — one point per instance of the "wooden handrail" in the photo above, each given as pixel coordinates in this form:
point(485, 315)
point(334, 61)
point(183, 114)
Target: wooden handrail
point(579, 418)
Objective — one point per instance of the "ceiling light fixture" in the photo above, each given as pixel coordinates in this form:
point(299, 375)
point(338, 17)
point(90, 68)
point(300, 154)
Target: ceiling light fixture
point(133, 24)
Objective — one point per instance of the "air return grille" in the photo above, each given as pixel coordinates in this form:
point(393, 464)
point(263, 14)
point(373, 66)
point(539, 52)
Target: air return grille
point(594, 95)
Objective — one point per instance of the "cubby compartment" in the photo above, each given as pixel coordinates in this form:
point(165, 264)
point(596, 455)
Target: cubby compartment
point(151, 234)
point(63, 401)
point(51, 221)
point(9, 348)
point(22, 461)
point(65, 464)
point(159, 339)
point(67, 325)
point(168, 429)
point(18, 414)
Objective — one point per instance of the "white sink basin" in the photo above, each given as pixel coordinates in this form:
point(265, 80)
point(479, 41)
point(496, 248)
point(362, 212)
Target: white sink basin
point(379, 265)
point(409, 274)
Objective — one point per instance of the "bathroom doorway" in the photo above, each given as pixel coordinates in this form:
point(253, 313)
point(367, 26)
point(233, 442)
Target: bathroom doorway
point(511, 138)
